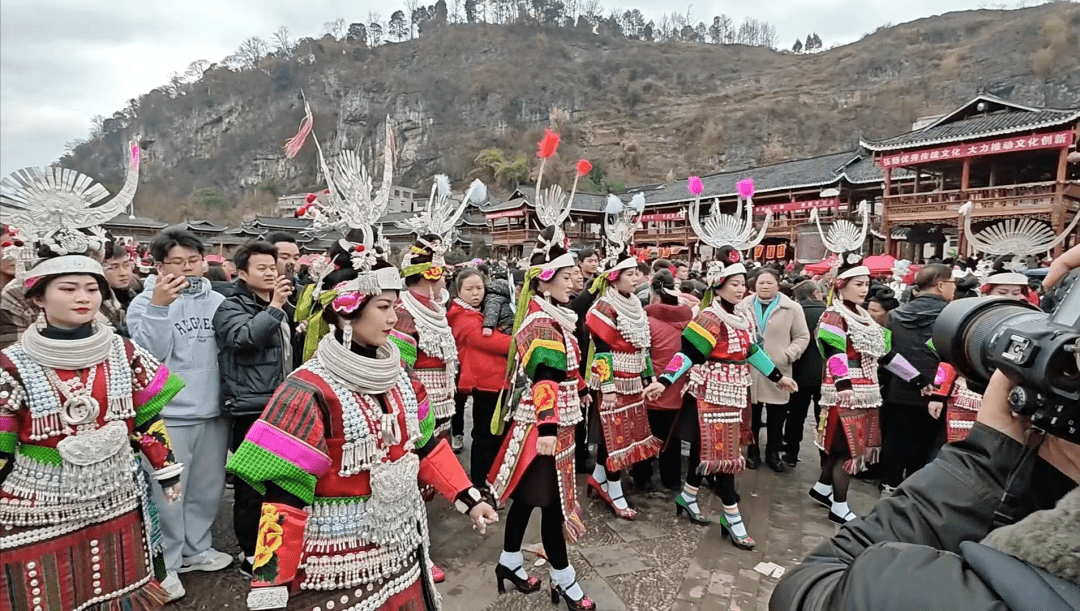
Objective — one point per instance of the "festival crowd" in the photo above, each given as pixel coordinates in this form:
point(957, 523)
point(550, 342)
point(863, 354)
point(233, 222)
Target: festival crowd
point(329, 391)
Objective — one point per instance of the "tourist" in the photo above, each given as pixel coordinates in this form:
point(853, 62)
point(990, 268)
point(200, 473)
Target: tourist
point(534, 465)
point(910, 433)
point(339, 453)
point(173, 318)
point(806, 371)
point(483, 370)
point(719, 343)
point(589, 260)
point(781, 331)
point(254, 356)
point(881, 301)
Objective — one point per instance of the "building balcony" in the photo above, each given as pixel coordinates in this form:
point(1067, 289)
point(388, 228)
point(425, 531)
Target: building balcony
point(658, 236)
point(527, 237)
point(999, 201)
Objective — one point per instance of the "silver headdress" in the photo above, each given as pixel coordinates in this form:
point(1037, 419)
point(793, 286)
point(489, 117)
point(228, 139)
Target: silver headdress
point(553, 206)
point(734, 230)
point(846, 240)
point(63, 209)
point(621, 222)
point(440, 217)
point(1019, 237)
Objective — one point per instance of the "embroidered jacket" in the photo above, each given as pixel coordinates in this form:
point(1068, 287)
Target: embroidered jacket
point(614, 356)
point(709, 338)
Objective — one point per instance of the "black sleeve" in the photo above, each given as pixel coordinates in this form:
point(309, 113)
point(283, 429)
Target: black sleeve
point(276, 494)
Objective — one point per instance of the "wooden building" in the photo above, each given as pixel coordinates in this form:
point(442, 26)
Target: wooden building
point(514, 227)
point(1007, 159)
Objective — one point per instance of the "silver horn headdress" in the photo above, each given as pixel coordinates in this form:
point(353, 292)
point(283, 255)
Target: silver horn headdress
point(621, 222)
point(1019, 237)
point(734, 230)
point(846, 239)
point(553, 206)
point(440, 218)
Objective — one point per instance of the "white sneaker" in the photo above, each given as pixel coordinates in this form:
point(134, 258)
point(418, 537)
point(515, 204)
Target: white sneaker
point(211, 560)
point(172, 586)
point(457, 442)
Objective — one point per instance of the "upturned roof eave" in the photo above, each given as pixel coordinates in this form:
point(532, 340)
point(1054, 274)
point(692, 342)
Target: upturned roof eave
point(881, 145)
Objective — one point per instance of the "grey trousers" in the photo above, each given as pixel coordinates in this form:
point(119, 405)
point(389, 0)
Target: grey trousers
point(185, 524)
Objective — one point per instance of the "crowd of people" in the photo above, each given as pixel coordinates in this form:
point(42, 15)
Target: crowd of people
point(330, 391)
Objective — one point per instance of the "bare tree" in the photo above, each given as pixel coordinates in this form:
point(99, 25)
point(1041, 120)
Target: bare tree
point(283, 43)
point(410, 16)
point(335, 28)
point(768, 38)
point(195, 70)
point(251, 51)
point(455, 11)
point(97, 126)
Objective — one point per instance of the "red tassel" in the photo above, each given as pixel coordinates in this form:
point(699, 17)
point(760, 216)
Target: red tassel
point(583, 167)
point(548, 144)
point(311, 197)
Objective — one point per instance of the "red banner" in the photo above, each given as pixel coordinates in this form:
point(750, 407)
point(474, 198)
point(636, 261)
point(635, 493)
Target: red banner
point(663, 216)
point(758, 251)
point(770, 251)
point(502, 215)
point(795, 206)
point(977, 149)
point(781, 250)
point(648, 252)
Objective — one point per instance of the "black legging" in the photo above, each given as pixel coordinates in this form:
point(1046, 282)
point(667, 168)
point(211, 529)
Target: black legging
point(725, 482)
point(601, 459)
point(485, 446)
point(551, 532)
point(457, 421)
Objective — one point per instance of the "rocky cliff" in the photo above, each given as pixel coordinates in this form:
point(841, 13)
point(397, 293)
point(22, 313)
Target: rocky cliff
point(643, 110)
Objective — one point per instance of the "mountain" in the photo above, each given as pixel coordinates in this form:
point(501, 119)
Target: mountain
point(639, 110)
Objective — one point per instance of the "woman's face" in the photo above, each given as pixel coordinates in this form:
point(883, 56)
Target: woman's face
point(1013, 291)
point(376, 321)
point(878, 312)
point(560, 287)
point(733, 289)
point(71, 301)
point(577, 278)
point(589, 264)
point(766, 286)
point(627, 281)
point(856, 289)
point(471, 290)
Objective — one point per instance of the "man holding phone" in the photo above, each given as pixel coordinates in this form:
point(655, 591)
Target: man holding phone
point(288, 262)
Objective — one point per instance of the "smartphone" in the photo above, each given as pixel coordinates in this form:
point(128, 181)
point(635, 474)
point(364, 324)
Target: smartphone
point(290, 270)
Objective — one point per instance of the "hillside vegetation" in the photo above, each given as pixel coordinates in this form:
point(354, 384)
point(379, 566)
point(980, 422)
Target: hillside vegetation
point(471, 100)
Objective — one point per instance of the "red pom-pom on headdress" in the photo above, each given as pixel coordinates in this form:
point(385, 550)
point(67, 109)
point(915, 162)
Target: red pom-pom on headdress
point(310, 199)
point(734, 256)
point(583, 167)
point(548, 144)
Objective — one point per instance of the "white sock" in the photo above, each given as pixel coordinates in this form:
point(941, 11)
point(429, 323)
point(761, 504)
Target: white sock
point(600, 475)
point(566, 577)
point(614, 490)
point(825, 489)
point(731, 512)
point(689, 495)
point(514, 560)
point(840, 508)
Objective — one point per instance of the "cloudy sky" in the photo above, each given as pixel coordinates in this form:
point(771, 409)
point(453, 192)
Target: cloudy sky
point(64, 61)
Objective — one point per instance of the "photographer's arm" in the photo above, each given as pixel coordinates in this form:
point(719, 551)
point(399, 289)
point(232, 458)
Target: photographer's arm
point(917, 532)
point(1062, 266)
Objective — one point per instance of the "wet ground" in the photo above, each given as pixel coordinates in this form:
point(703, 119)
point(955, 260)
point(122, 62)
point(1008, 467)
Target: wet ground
point(657, 562)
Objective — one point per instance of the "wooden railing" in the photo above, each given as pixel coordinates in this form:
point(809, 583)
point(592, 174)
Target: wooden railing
point(527, 237)
point(655, 236)
point(1031, 198)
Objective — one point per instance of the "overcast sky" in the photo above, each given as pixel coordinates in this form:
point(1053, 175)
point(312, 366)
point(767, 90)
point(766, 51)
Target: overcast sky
point(64, 61)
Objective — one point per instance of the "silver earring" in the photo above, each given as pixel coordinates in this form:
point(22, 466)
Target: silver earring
point(346, 337)
point(547, 294)
point(41, 323)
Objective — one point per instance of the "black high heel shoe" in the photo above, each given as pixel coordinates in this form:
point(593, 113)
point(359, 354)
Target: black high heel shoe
point(744, 542)
point(526, 586)
point(574, 605)
point(695, 516)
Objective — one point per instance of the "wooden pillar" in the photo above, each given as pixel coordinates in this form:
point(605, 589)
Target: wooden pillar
point(965, 181)
point(965, 177)
point(1057, 218)
point(885, 229)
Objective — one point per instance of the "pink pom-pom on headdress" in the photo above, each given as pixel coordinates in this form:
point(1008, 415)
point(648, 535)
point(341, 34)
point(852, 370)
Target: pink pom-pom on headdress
point(693, 184)
point(547, 274)
point(548, 145)
point(745, 187)
point(134, 156)
point(583, 167)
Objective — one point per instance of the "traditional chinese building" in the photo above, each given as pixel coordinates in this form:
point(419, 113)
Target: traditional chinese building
point(1007, 159)
point(514, 227)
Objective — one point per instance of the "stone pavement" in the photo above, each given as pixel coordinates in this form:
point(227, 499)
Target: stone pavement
point(657, 562)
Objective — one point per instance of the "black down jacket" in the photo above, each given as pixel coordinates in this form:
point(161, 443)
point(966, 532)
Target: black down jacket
point(912, 325)
point(250, 354)
point(919, 549)
point(808, 368)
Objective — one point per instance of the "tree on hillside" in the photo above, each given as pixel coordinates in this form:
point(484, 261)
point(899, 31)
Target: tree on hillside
point(335, 28)
point(797, 47)
point(251, 52)
point(283, 43)
point(357, 34)
point(195, 70)
point(720, 32)
point(470, 11)
point(398, 29)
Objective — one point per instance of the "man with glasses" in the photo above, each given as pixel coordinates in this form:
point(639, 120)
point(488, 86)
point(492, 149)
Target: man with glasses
point(173, 318)
point(910, 433)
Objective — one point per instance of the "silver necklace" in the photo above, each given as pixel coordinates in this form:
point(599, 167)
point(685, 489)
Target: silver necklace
point(79, 406)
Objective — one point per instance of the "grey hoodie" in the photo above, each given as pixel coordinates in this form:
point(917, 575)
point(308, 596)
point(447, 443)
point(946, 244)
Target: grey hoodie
point(182, 335)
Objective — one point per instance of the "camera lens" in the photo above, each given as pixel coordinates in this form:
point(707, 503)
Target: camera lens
point(964, 331)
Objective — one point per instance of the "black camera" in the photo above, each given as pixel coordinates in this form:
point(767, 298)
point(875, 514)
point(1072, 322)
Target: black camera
point(1039, 352)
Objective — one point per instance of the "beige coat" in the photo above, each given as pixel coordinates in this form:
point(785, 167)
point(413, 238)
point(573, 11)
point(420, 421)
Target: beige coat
point(786, 337)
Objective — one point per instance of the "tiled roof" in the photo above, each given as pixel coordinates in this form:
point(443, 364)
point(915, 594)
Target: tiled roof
point(583, 202)
point(801, 173)
point(982, 126)
point(123, 220)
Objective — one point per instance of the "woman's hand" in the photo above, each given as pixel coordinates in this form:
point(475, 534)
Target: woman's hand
point(654, 390)
point(172, 493)
point(786, 384)
point(482, 515)
point(935, 408)
point(846, 398)
point(545, 446)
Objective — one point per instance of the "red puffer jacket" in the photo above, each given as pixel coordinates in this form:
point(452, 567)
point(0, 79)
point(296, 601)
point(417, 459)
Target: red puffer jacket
point(666, 324)
point(482, 359)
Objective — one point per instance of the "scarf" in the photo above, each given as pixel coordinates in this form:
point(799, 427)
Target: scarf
point(863, 332)
point(762, 314)
point(466, 306)
point(68, 354)
point(566, 318)
point(735, 319)
point(434, 335)
point(365, 375)
point(632, 322)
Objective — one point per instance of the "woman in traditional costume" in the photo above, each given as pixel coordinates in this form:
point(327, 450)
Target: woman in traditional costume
point(718, 351)
point(339, 453)
point(621, 365)
point(535, 466)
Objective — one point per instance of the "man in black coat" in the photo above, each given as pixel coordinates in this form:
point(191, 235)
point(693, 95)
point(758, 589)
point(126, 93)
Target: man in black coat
point(911, 432)
point(254, 356)
point(806, 371)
